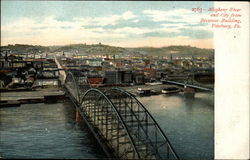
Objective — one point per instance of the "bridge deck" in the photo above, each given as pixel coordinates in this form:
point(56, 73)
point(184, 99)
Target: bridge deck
point(191, 86)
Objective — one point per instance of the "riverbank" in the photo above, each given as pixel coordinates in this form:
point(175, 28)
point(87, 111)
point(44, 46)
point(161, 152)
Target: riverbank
point(42, 95)
point(52, 94)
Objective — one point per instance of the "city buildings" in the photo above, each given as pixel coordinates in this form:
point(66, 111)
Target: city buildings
point(39, 68)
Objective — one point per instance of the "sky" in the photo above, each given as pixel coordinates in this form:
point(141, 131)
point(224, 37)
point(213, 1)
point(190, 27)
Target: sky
point(117, 23)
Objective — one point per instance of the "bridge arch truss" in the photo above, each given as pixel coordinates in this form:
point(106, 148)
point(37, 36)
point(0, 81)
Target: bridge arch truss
point(121, 124)
point(149, 138)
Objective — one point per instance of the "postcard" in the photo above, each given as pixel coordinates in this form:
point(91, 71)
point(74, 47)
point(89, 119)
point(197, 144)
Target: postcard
point(124, 80)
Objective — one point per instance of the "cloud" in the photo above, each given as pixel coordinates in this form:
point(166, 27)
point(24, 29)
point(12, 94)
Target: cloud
point(132, 30)
point(176, 16)
point(135, 21)
point(181, 21)
point(128, 15)
point(51, 31)
point(181, 26)
point(173, 15)
point(115, 28)
point(51, 24)
point(104, 21)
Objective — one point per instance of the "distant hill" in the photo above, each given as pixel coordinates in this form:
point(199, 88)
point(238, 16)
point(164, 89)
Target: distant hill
point(25, 49)
point(89, 49)
point(176, 50)
point(100, 49)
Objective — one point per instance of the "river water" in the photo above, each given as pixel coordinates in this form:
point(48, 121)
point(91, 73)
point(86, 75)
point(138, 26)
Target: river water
point(50, 130)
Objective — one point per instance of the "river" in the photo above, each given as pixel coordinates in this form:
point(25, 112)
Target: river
point(50, 130)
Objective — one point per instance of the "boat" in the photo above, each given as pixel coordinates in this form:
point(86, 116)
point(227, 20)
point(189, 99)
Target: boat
point(170, 90)
point(144, 91)
point(153, 83)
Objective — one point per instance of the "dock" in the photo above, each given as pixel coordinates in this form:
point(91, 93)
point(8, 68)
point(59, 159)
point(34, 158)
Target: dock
point(13, 99)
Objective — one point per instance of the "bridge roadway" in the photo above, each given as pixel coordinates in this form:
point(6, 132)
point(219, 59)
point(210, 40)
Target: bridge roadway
point(190, 85)
point(120, 123)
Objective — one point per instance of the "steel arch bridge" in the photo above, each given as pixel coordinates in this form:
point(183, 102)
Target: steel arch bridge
point(120, 123)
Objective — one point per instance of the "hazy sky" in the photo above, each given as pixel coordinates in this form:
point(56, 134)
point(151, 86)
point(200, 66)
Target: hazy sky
point(125, 23)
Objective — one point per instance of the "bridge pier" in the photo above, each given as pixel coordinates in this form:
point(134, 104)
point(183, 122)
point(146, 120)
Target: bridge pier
point(78, 117)
point(189, 92)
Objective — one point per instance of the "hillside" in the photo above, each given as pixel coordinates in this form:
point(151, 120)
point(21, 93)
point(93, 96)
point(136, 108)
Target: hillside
point(89, 49)
point(25, 49)
point(100, 49)
point(176, 50)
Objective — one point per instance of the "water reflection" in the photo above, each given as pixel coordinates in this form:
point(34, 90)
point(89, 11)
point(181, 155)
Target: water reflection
point(189, 102)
